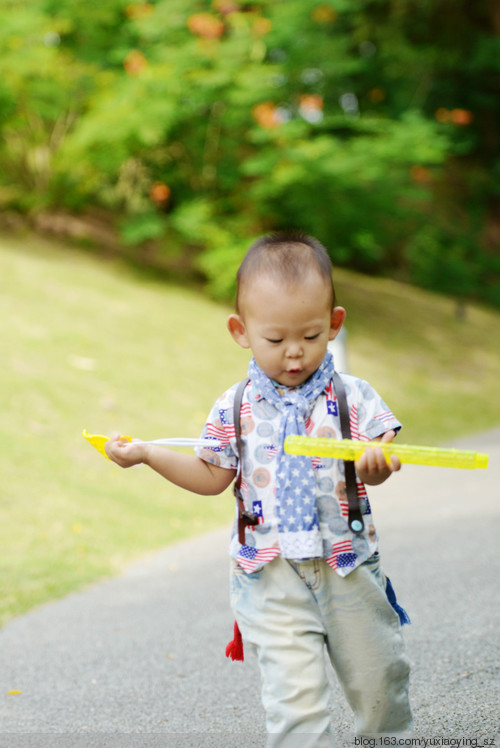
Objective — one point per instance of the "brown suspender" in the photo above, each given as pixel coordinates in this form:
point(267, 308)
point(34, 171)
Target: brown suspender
point(248, 519)
point(355, 520)
point(245, 518)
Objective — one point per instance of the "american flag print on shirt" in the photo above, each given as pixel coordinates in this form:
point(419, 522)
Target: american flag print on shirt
point(257, 509)
point(251, 559)
point(344, 504)
point(342, 555)
point(224, 429)
point(331, 400)
point(214, 431)
point(272, 450)
point(354, 423)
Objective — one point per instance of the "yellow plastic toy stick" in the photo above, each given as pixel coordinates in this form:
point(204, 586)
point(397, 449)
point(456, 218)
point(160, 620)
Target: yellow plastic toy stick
point(98, 441)
point(349, 449)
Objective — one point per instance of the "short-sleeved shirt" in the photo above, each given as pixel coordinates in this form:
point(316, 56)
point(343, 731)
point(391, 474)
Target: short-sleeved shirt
point(370, 417)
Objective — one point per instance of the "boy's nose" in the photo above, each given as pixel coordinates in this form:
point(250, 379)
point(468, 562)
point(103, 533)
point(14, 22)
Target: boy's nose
point(294, 350)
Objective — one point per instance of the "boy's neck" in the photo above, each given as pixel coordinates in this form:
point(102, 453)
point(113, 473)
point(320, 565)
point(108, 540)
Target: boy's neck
point(282, 388)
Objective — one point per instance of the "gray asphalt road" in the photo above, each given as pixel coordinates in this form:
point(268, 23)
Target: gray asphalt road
point(139, 660)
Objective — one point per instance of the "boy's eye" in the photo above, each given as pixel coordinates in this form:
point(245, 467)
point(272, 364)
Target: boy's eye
point(312, 337)
point(270, 340)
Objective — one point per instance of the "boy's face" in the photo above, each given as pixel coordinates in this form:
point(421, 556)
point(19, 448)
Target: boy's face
point(287, 327)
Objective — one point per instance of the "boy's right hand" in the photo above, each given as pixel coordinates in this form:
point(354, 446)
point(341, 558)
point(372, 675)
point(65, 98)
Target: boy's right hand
point(124, 452)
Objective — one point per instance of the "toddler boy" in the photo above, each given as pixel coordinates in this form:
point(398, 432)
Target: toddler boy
point(302, 583)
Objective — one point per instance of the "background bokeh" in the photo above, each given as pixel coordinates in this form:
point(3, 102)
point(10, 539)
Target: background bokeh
point(177, 129)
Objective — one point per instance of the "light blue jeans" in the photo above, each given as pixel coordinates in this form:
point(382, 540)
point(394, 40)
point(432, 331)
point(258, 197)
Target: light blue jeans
point(289, 612)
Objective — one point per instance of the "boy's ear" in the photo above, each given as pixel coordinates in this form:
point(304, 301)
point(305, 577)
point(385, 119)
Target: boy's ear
point(336, 321)
point(236, 327)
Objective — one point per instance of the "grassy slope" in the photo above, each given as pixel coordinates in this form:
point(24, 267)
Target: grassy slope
point(86, 344)
point(438, 372)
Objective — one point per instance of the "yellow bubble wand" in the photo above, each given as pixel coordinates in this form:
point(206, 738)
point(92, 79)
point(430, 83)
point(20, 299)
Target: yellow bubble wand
point(98, 441)
point(344, 449)
point(350, 449)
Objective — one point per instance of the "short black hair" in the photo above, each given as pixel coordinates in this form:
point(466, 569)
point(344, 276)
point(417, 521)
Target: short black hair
point(285, 255)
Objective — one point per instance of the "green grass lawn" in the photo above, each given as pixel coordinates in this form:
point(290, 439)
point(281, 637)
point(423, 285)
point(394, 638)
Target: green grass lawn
point(86, 343)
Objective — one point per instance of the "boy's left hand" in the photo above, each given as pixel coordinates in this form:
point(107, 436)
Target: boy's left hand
point(372, 467)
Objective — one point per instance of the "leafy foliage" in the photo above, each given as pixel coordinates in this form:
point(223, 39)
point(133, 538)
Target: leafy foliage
point(373, 124)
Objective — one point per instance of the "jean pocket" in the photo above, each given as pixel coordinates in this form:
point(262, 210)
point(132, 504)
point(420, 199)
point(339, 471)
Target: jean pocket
point(238, 571)
point(240, 579)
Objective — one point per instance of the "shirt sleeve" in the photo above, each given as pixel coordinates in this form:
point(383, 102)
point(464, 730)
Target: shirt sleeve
point(219, 426)
point(370, 416)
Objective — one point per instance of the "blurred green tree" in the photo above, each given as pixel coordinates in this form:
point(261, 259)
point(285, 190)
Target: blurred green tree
point(372, 124)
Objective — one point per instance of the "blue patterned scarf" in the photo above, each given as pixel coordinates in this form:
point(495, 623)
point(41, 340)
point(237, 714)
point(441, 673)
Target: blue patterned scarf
point(298, 523)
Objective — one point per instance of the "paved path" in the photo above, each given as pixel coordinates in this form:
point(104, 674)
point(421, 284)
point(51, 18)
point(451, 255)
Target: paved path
point(139, 660)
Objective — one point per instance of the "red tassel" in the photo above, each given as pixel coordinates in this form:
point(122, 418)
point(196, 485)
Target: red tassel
point(234, 649)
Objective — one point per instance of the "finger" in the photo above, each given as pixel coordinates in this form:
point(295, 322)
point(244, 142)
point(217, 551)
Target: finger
point(380, 461)
point(395, 463)
point(392, 461)
point(388, 462)
point(388, 436)
point(113, 445)
point(374, 459)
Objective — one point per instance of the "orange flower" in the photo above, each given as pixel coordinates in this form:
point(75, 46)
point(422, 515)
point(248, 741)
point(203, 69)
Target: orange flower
point(311, 107)
point(134, 62)
point(205, 25)
point(324, 13)
point(311, 102)
point(461, 116)
point(267, 115)
point(160, 193)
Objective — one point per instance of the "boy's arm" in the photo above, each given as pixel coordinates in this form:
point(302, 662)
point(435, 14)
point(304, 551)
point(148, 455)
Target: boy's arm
point(188, 471)
point(372, 467)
